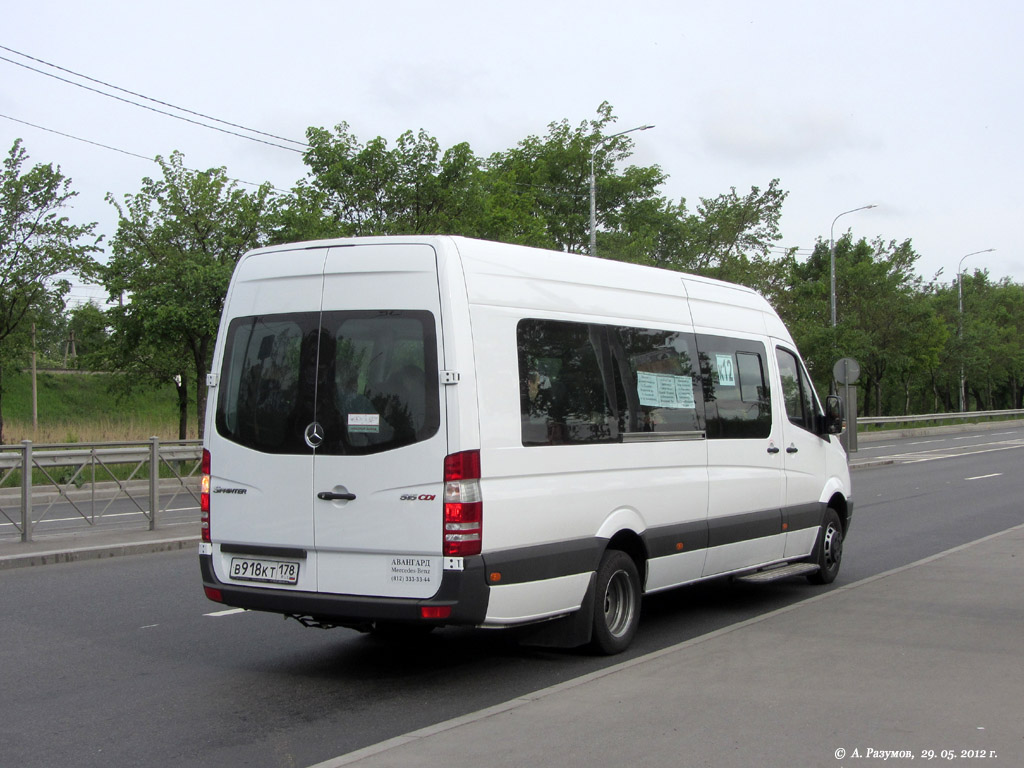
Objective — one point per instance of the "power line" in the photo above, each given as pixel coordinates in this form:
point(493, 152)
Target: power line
point(77, 138)
point(149, 98)
point(151, 109)
point(116, 149)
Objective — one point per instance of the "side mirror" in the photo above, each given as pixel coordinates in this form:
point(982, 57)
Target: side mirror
point(833, 415)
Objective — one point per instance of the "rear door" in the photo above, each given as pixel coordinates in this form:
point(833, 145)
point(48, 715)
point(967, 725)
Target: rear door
point(378, 432)
point(262, 469)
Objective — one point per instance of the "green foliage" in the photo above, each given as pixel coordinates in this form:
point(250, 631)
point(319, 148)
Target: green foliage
point(536, 193)
point(87, 327)
point(372, 189)
point(177, 243)
point(76, 407)
point(180, 236)
point(39, 249)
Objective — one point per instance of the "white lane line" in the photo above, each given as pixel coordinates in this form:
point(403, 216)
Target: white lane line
point(228, 612)
point(984, 477)
point(110, 515)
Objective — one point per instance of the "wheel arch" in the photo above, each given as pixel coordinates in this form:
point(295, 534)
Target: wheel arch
point(632, 544)
point(842, 507)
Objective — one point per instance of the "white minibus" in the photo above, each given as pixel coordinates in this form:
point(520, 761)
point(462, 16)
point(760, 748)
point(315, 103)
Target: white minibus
point(422, 431)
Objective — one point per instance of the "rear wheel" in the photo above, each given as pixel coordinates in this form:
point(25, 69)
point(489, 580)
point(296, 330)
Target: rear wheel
point(616, 603)
point(828, 552)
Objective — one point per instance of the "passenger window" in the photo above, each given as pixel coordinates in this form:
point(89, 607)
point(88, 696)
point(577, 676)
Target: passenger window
point(589, 383)
point(737, 397)
point(797, 392)
point(663, 374)
point(562, 390)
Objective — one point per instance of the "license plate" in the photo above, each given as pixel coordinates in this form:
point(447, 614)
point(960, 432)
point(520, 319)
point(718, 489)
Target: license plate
point(270, 571)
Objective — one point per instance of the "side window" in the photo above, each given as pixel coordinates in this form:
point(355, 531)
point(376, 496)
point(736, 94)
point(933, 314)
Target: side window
point(562, 387)
point(737, 397)
point(588, 383)
point(662, 386)
point(797, 393)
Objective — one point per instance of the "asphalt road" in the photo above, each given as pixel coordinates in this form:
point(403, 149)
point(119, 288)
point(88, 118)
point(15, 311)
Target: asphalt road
point(124, 662)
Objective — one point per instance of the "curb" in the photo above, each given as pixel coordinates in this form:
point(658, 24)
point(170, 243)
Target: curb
point(71, 554)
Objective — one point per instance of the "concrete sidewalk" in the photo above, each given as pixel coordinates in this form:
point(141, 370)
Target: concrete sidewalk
point(923, 662)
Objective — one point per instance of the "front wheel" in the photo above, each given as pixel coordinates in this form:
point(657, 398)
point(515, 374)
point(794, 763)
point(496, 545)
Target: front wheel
point(828, 553)
point(616, 603)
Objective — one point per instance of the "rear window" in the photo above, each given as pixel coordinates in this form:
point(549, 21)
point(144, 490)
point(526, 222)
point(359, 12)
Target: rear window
point(369, 378)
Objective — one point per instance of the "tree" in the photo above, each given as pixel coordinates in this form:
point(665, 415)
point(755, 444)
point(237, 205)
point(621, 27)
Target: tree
point(355, 189)
point(884, 319)
point(536, 193)
point(989, 352)
point(86, 327)
point(177, 243)
point(40, 249)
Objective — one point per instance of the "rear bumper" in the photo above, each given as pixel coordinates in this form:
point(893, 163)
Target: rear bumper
point(465, 592)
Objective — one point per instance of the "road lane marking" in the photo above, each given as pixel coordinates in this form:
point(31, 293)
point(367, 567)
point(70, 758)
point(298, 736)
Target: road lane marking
point(228, 612)
point(984, 477)
point(110, 515)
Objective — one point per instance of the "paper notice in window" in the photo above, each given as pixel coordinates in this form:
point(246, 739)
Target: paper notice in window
point(662, 390)
point(364, 422)
point(726, 370)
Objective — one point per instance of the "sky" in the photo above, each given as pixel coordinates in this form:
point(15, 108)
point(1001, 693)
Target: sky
point(914, 106)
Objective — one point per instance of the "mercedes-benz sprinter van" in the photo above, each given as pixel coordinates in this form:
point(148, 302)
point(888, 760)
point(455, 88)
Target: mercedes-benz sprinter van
point(421, 431)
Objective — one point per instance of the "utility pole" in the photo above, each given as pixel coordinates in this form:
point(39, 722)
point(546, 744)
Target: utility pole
point(35, 390)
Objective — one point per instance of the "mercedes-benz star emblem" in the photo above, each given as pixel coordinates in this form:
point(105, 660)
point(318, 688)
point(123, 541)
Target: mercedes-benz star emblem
point(314, 435)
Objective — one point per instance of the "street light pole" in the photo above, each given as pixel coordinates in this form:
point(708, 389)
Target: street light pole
point(960, 307)
point(593, 184)
point(832, 256)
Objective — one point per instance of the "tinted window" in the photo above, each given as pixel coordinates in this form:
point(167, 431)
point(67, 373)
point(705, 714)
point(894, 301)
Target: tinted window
point(737, 398)
point(369, 378)
point(590, 383)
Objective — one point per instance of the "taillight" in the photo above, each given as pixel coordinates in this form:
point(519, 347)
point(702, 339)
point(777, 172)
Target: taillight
point(214, 594)
point(204, 497)
point(435, 611)
point(463, 504)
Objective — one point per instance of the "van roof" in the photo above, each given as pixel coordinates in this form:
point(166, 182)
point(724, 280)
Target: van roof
point(641, 292)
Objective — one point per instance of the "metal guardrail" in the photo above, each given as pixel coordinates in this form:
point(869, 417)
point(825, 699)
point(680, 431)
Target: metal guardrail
point(965, 415)
point(59, 472)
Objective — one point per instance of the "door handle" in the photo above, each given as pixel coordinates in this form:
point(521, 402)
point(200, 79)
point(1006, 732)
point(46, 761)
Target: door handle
point(792, 449)
point(773, 449)
point(332, 496)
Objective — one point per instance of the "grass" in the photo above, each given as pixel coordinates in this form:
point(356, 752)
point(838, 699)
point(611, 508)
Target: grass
point(81, 408)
